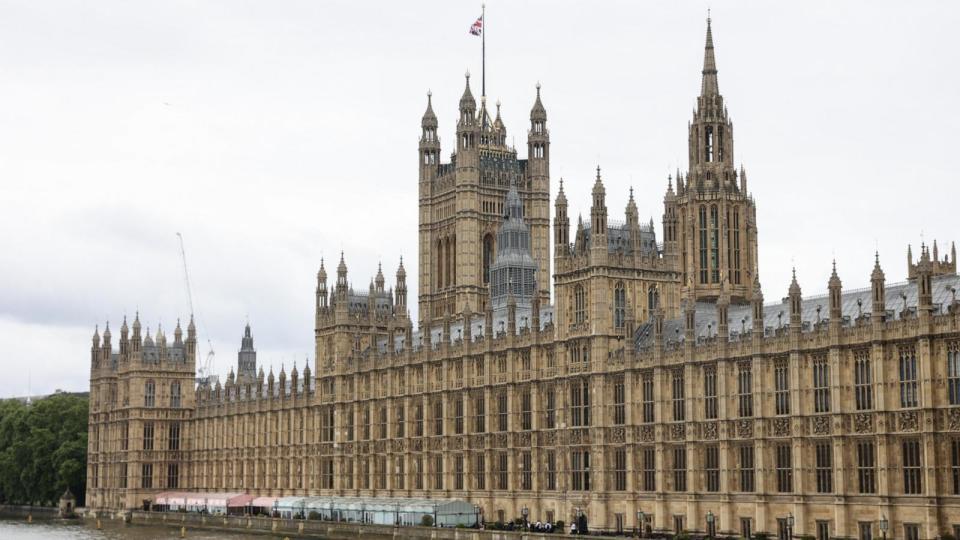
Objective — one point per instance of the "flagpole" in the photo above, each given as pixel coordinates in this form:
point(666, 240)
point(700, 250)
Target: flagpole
point(483, 50)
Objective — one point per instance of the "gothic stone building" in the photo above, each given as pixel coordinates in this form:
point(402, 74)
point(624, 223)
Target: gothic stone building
point(657, 389)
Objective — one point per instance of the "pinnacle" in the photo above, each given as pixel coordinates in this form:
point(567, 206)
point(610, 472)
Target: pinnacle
point(709, 86)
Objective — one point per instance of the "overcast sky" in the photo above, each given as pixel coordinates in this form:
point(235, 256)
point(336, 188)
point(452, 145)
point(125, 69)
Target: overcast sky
point(272, 134)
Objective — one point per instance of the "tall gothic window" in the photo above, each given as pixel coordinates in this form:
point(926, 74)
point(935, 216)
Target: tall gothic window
point(862, 379)
point(579, 304)
point(736, 247)
point(678, 395)
point(821, 385)
point(781, 392)
point(580, 403)
point(953, 372)
point(704, 265)
point(653, 298)
point(149, 394)
point(619, 305)
point(824, 466)
point(710, 392)
point(175, 394)
point(866, 467)
point(908, 378)
point(708, 139)
point(784, 465)
point(745, 389)
point(487, 257)
point(647, 387)
point(912, 467)
point(714, 245)
point(619, 402)
point(439, 279)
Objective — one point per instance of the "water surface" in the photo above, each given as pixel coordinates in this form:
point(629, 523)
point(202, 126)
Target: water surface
point(85, 529)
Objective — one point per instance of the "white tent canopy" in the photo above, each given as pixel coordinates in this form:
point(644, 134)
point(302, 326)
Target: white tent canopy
point(381, 510)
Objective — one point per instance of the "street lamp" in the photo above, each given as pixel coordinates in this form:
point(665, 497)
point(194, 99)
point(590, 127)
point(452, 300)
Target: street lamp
point(884, 525)
point(710, 519)
point(524, 512)
point(641, 521)
point(790, 525)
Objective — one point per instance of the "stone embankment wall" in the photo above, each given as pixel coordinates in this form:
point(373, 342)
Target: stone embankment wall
point(324, 529)
point(13, 511)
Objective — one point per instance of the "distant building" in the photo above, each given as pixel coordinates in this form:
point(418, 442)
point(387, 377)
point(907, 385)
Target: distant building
point(659, 388)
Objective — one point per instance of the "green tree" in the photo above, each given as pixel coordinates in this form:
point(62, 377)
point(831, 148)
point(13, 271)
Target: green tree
point(43, 449)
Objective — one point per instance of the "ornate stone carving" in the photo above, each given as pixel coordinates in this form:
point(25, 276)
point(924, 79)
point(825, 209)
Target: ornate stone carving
point(744, 428)
point(821, 425)
point(456, 443)
point(399, 445)
point(781, 427)
point(709, 430)
point(863, 423)
point(500, 441)
point(646, 433)
point(548, 438)
point(953, 419)
point(522, 439)
point(908, 420)
point(417, 445)
point(617, 435)
point(677, 432)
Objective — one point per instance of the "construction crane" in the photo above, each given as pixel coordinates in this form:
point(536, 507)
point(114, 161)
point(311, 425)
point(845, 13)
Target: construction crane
point(204, 374)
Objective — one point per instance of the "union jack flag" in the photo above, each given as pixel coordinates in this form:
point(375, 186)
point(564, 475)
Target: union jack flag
point(477, 27)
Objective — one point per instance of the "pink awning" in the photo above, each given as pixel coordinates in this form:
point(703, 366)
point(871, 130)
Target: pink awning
point(239, 501)
point(263, 502)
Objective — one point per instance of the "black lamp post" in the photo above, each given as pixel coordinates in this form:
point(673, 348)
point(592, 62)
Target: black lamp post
point(790, 525)
point(641, 521)
point(710, 520)
point(884, 525)
point(524, 512)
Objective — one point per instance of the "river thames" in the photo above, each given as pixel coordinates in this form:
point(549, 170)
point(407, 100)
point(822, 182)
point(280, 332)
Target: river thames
point(113, 530)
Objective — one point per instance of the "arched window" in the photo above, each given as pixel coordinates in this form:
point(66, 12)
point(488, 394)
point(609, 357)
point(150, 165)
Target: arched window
point(704, 265)
point(453, 261)
point(487, 257)
point(736, 246)
point(653, 298)
point(149, 394)
point(619, 305)
point(579, 304)
point(709, 143)
point(175, 394)
point(714, 245)
point(439, 279)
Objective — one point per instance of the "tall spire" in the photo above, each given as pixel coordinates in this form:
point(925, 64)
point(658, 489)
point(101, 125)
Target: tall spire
point(709, 87)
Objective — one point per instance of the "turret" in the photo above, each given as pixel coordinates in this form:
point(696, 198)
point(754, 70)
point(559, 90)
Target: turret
point(191, 343)
point(106, 340)
point(538, 146)
point(124, 336)
point(598, 214)
point(321, 287)
point(379, 281)
point(796, 305)
point(247, 357)
point(401, 289)
point(135, 337)
point(633, 223)
point(468, 130)
point(429, 143)
point(878, 290)
point(561, 224)
point(756, 301)
point(178, 334)
point(836, 300)
point(95, 348)
point(924, 280)
point(342, 280)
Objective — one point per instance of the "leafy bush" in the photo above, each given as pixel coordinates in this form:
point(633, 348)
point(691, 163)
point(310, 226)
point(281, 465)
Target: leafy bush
point(314, 515)
point(426, 521)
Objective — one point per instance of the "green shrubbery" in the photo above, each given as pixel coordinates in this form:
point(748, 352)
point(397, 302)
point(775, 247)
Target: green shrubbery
point(43, 449)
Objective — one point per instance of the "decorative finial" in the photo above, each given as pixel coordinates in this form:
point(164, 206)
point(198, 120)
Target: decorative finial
point(538, 87)
point(467, 75)
point(429, 93)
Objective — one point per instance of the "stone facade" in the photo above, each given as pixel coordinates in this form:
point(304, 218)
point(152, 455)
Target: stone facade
point(838, 410)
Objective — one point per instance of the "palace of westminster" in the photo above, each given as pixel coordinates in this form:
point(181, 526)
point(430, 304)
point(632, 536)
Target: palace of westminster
point(656, 389)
